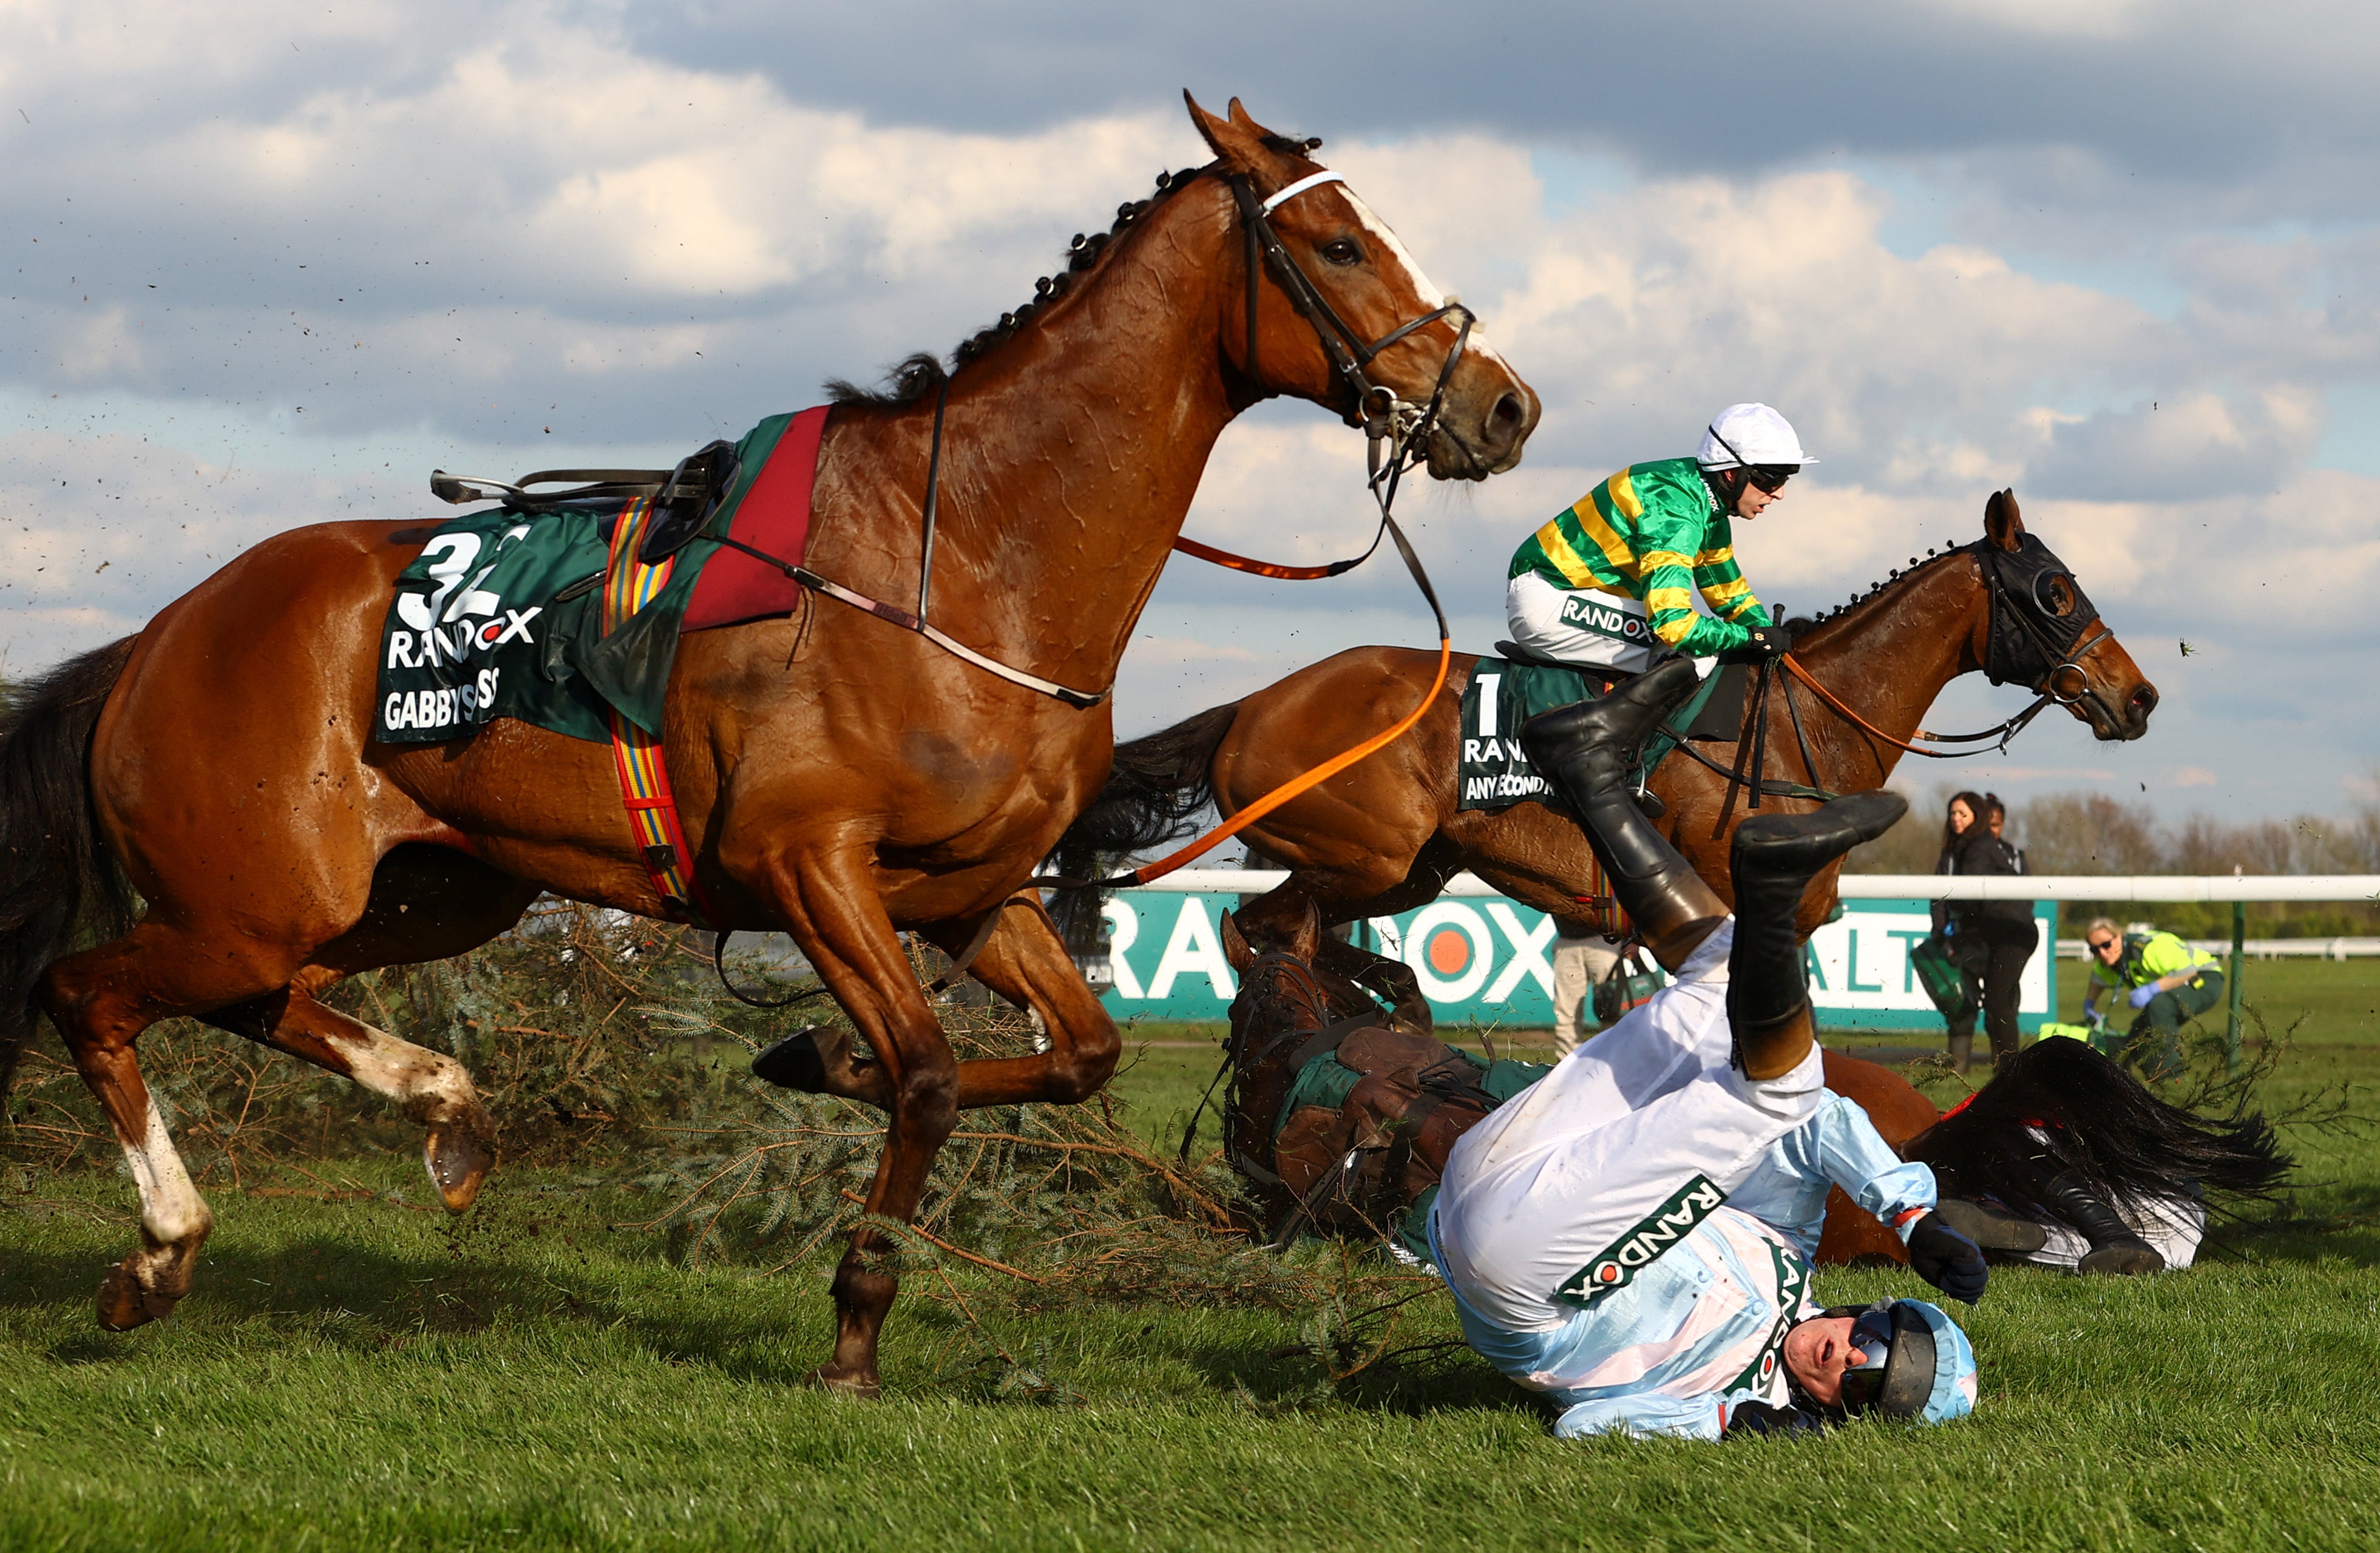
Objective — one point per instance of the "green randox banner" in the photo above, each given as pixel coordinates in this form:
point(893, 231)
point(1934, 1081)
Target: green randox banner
point(1487, 961)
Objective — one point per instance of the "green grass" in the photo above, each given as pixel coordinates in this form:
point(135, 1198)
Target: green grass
point(356, 1374)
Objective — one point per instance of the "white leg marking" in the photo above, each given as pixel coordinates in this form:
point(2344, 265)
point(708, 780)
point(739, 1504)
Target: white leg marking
point(429, 1085)
point(171, 1209)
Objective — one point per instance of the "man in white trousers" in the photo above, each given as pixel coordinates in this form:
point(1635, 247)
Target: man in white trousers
point(1632, 1235)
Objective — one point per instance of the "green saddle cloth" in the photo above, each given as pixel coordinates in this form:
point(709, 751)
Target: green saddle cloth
point(1492, 771)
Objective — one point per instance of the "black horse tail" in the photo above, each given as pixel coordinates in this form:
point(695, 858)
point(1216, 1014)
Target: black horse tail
point(57, 877)
point(1154, 790)
point(2059, 1107)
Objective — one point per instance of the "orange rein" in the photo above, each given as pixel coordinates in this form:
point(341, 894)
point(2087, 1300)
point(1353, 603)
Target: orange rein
point(1793, 666)
point(1298, 785)
point(1345, 757)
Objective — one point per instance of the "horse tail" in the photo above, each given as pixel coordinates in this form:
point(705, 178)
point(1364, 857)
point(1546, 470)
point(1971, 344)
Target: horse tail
point(57, 877)
point(2060, 1107)
point(1155, 787)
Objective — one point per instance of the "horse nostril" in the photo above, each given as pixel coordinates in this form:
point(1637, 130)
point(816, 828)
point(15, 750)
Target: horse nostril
point(1509, 412)
point(2143, 700)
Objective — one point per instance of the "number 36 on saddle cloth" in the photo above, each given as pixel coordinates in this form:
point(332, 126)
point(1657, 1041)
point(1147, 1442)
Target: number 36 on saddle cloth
point(564, 611)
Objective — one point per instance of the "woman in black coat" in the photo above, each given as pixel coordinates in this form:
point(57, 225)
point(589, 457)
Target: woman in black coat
point(1990, 939)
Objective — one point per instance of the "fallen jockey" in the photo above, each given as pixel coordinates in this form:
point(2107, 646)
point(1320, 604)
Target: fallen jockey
point(1632, 1234)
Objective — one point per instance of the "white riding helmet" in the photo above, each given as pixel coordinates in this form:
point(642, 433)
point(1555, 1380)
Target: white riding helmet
point(1750, 434)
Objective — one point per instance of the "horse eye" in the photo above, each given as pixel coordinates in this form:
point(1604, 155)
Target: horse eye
point(2061, 597)
point(1341, 251)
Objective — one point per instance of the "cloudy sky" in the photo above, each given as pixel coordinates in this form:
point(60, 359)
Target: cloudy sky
point(271, 263)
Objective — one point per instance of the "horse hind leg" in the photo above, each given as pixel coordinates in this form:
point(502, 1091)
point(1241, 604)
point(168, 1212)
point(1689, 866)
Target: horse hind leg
point(101, 1006)
point(427, 903)
point(428, 1087)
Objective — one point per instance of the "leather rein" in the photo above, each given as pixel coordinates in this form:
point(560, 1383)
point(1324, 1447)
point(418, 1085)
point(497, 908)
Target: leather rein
point(2049, 687)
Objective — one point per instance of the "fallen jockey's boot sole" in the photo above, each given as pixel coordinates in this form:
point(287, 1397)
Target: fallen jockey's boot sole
point(1992, 1228)
point(2123, 1258)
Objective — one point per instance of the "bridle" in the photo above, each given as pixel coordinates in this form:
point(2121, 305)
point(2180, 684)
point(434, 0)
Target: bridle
point(1398, 432)
point(1401, 427)
point(2026, 642)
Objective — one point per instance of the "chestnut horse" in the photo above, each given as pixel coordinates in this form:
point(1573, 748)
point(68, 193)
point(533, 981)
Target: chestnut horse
point(840, 778)
point(1385, 836)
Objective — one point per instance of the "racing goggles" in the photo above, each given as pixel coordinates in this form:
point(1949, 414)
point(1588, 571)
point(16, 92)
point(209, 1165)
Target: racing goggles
point(1872, 1337)
point(1896, 1369)
point(1770, 478)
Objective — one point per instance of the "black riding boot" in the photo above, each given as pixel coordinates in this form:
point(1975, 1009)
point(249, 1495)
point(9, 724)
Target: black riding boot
point(1774, 859)
point(1588, 753)
point(2114, 1248)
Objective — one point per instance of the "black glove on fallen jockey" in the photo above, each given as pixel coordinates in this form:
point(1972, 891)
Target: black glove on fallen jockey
point(1770, 641)
point(1946, 1259)
point(1760, 1418)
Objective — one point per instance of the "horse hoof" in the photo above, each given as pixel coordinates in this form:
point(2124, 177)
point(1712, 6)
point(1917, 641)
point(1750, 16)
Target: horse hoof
point(458, 1160)
point(124, 1304)
point(793, 1063)
point(859, 1384)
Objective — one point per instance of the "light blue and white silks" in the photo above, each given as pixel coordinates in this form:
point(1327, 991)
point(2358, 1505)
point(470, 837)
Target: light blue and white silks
point(1632, 1233)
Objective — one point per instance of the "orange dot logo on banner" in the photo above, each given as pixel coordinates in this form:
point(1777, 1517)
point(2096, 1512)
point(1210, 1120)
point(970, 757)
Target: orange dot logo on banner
point(1449, 950)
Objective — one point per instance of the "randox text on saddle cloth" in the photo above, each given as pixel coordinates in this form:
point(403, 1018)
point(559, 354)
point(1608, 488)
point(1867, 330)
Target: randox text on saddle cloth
point(477, 630)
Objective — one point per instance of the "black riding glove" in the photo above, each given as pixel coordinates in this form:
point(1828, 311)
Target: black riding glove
point(1946, 1259)
point(1770, 641)
point(1760, 1418)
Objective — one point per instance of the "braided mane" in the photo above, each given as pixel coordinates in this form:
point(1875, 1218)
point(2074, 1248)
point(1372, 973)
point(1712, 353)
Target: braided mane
point(923, 373)
point(1891, 579)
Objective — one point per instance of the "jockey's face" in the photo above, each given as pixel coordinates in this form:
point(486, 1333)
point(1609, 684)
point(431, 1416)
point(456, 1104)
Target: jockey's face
point(1754, 500)
point(1817, 1353)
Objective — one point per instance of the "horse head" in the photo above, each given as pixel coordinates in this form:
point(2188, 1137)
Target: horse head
point(1339, 312)
point(2044, 632)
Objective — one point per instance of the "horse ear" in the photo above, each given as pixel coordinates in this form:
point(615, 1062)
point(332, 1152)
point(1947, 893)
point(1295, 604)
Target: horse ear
point(1235, 944)
point(1307, 943)
point(1238, 142)
point(2003, 524)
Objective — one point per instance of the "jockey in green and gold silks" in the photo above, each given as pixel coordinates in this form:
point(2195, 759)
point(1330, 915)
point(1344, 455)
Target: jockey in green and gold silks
point(1619, 569)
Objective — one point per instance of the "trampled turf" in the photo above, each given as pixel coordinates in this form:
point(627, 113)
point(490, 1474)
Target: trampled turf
point(356, 1373)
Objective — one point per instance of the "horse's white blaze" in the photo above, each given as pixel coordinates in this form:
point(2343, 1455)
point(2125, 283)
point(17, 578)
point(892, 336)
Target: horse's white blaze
point(1398, 253)
point(1402, 257)
point(431, 1086)
point(171, 1209)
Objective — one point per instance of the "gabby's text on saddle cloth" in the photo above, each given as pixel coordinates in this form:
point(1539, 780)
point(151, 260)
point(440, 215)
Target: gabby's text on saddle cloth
point(475, 634)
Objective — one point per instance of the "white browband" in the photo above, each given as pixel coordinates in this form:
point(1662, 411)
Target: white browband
point(1300, 187)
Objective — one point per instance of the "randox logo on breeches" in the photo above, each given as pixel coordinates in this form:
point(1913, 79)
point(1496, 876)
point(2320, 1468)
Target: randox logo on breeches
point(1613, 619)
point(1619, 1263)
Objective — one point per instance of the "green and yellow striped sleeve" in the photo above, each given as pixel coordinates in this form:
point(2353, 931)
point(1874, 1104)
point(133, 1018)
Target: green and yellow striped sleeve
point(1675, 532)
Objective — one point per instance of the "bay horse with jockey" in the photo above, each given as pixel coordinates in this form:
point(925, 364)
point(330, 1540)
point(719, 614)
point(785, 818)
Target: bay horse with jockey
point(840, 776)
point(1834, 717)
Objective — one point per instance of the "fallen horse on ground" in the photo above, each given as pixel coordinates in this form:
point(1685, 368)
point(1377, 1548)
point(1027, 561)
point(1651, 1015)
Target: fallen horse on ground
point(1342, 1124)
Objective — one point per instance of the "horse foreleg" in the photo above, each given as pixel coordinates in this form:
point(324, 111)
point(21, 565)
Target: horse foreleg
point(429, 1087)
point(830, 905)
point(1026, 962)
